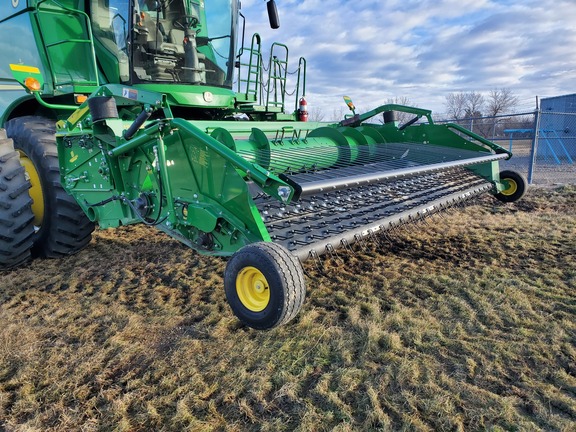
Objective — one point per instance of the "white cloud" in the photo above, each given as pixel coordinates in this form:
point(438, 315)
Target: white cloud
point(373, 50)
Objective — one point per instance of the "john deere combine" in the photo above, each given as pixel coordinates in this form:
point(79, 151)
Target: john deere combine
point(130, 115)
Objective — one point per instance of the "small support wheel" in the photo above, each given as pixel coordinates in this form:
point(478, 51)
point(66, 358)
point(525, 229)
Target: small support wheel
point(264, 285)
point(515, 186)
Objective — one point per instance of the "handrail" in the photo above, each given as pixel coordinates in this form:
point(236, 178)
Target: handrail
point(488, 143)
point(301, 72)
point(358, 119)
point(254, 52)
point(282, 77)
point(90, 39)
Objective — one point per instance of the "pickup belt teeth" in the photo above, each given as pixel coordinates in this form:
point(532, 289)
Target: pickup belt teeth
point(323, 222)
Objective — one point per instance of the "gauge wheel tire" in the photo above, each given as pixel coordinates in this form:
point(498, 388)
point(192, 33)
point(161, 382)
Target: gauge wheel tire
point(264, 285)
point(16, 217)
point(516, 186)
point(61, 226)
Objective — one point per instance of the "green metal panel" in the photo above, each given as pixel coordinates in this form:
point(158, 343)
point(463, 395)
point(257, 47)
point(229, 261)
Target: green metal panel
point(54, 38)
point(16, 50)
point(195, 96)
point(197, 195)
point(194, 186)
point(67, 38)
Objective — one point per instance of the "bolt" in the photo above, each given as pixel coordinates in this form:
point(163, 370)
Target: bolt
point(284, 192)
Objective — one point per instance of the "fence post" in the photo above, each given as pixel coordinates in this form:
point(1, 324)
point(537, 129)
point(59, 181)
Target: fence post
point(535, 140)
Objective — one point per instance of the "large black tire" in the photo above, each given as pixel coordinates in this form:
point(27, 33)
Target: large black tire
point(264, 285)
point(516, 186)
point(63, 228)
point(16, 217)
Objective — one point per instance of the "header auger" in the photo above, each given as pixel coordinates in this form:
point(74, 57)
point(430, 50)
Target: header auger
point(155, 139)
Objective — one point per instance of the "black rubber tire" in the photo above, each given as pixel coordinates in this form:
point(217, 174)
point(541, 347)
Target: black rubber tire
point(285, 278)
point(518, 188)
point(16, 217)
point(65, 229)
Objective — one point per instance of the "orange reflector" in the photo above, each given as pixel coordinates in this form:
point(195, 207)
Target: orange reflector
point(32, 84)
point(80, 98)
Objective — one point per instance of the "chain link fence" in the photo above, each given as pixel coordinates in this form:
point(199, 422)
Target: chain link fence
point(543, 143)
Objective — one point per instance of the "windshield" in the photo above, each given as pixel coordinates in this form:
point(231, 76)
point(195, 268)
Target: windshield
point(169, 41)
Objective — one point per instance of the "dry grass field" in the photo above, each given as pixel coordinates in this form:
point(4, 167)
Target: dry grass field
point(464, 323)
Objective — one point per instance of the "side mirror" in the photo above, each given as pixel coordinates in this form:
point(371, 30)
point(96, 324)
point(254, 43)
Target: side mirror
point(273, 14)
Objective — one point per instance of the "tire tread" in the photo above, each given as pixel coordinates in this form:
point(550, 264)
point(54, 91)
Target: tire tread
point(16, 217)
point(65, 229)
point(278, 260)
point(521, 182)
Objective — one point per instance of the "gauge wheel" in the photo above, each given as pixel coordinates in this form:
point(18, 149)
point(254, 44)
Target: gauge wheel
point(264, 285)
point(515, 186)
point(16, 217)
point(61, 227)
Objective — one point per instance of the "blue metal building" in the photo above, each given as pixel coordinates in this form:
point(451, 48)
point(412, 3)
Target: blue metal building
point(559, 104)
point(557, 137)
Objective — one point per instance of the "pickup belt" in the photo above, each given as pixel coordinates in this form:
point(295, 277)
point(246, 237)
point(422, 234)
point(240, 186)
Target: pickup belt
point(322, 222)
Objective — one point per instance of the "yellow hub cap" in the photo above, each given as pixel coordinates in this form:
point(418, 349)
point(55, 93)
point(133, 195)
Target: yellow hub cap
point(253, 289)
point(511, 188)
point(36, 190)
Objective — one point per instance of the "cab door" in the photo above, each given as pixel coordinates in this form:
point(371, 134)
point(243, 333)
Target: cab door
point(69, 48)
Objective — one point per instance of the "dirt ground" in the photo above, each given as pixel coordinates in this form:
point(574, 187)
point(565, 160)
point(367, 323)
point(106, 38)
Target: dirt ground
point(466, 321)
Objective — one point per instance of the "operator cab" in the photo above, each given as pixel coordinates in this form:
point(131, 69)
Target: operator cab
point(167, 41)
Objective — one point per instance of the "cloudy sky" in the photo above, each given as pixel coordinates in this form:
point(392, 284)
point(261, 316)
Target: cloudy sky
point(373, 50)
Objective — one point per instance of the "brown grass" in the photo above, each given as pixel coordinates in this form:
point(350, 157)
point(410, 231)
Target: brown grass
point(466, 322)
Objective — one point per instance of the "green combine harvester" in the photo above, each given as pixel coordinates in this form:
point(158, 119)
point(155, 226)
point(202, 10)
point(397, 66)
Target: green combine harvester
point(138, 111)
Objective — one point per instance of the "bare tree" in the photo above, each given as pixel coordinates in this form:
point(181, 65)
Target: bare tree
point(471, 107)
point(500, 101)
point(400, 100)
point(464, 105)
point(455, 105)
point(315, 115)
point(339, 113)
point(474, 105)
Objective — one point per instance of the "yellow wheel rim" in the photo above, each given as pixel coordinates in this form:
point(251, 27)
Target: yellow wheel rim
point(36, 190)
point(511, 188)
point(253, 289)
